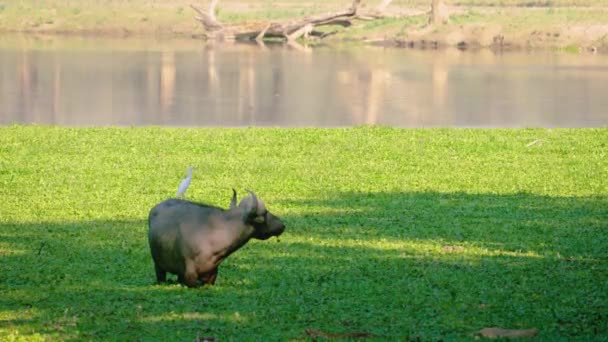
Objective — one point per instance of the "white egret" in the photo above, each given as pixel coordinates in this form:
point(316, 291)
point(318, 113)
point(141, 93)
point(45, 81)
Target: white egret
point(183, 186)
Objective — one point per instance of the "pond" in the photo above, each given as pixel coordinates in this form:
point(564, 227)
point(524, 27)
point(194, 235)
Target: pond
point(71, 81)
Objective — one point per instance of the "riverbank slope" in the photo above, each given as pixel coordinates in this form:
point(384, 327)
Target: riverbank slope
point(566, 24)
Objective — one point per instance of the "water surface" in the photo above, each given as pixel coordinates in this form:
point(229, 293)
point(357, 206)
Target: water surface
point(133, 82)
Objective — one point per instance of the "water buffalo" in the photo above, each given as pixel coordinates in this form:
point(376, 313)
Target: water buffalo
point(192, 239)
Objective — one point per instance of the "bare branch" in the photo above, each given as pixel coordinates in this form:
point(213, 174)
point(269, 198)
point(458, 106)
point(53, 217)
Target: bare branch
point(212, 6)
point(304, 30)
point(260, 36)
point(291, 30)
point(209, 22)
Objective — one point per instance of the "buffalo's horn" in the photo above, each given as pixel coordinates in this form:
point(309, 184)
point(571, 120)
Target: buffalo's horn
point(233, 201)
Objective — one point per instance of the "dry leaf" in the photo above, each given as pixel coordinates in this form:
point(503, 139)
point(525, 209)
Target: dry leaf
point(200, 338)
point(511, 333)
point(316, 333)
point(535, 142)
point(452, 249)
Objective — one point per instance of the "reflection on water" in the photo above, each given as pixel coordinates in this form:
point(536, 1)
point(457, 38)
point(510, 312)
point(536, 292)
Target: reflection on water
point(101, 82)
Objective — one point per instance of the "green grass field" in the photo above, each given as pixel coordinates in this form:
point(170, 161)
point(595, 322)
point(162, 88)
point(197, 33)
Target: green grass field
point(404, 234)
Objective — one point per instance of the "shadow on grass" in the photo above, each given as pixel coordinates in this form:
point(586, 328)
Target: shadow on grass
point(518, 222)
point(398, 265)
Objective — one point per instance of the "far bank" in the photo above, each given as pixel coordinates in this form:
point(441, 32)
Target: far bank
point(574, 25)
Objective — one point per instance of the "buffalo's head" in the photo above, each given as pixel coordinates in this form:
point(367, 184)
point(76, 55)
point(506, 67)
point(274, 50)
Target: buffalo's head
point(255, 214)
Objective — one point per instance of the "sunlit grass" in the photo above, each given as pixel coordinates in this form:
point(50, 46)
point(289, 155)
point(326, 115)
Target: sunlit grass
point(430, 234)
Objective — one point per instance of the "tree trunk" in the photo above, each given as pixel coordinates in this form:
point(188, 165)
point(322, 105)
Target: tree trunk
point(439, 13)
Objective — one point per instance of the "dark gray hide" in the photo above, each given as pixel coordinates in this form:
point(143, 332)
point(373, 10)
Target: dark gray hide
point(192, 239)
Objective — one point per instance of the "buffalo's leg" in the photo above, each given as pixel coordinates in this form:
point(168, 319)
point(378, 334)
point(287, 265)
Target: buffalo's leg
point(213, 276)
point(209, 277)
point(190, 276)
point(161, 276)
point(190, 279)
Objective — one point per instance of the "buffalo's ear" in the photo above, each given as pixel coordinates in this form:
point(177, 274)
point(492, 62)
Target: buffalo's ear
point(233, 201)
point(252, 207)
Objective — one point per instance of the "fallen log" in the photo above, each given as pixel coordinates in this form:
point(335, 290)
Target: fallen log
point(289, 31)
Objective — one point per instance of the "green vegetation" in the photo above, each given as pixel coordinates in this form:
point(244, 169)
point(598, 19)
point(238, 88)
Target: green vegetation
point(514, 23)
point(430, 234)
